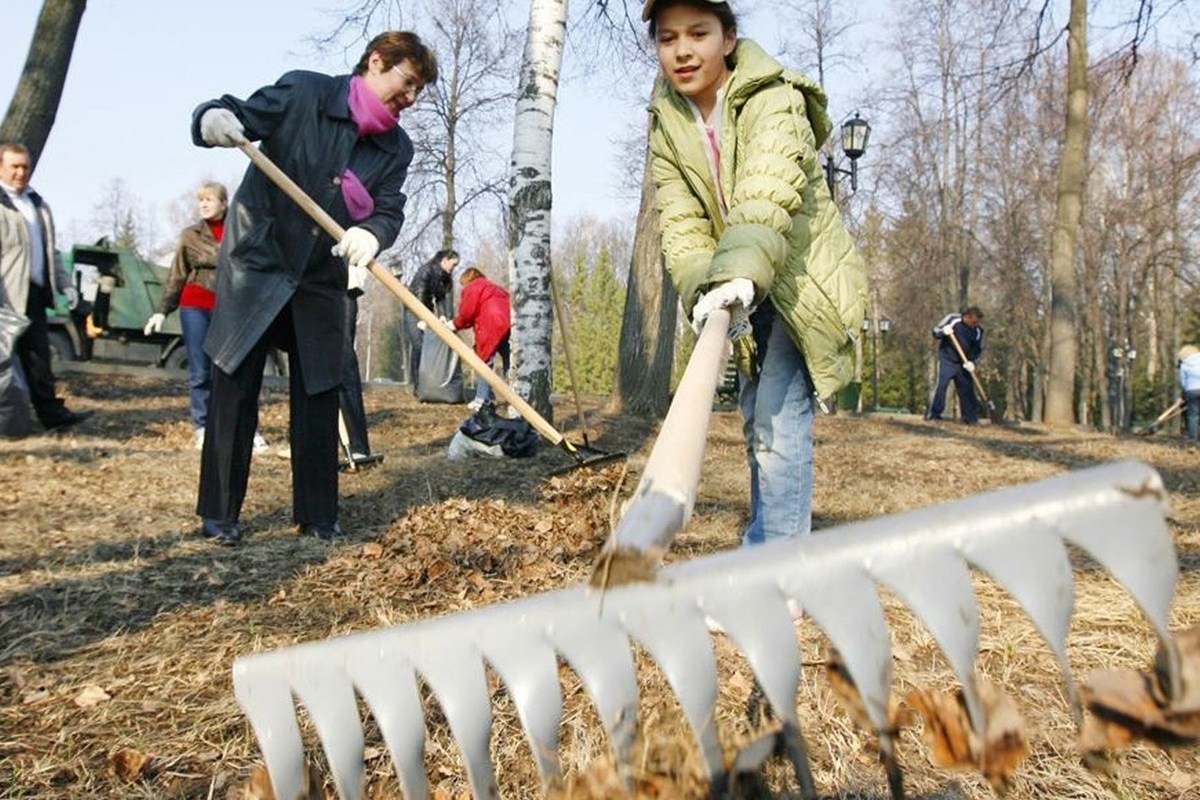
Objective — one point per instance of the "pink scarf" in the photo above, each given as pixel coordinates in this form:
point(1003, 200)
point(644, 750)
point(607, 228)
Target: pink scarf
point(372, 117)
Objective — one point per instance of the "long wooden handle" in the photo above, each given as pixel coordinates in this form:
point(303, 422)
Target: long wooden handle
point(978, 384)
point(663, 501)
point(410, 301)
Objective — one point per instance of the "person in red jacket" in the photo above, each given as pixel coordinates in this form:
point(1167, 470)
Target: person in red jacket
point(485, 307)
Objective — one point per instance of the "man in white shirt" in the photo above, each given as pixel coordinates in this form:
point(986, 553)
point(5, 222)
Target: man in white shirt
point(31, 274)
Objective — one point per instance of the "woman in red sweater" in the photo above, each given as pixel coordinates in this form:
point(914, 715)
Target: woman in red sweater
point(190, 286)
point(485, 307)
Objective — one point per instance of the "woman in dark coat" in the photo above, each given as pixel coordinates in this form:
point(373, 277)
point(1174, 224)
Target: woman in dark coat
point(282, 281)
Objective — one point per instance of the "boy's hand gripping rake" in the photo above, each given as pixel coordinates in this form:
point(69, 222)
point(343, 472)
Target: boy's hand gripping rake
point(583, 455)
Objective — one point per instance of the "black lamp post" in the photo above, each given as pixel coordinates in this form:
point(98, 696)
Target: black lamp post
point(881, 325)
point(855, 134)
point(1123, 358)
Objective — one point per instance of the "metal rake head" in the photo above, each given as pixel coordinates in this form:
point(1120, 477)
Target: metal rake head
point(1017, 536)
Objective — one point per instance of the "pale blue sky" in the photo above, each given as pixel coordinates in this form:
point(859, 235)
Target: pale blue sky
point(141, 66)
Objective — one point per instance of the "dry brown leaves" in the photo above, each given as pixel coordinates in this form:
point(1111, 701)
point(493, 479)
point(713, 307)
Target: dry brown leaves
point(1128, 704)
point(954, 744)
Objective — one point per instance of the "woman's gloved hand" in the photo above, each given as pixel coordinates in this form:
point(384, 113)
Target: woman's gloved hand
point(358, 246)
point(723, 295)
point(154, 324)
point(220, 127)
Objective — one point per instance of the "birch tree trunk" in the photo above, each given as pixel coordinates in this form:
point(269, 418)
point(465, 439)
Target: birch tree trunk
point(529, 202)
point(1060, 383)
point(34, 104)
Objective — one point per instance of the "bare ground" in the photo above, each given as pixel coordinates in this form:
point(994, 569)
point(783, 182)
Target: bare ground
point(118, 625)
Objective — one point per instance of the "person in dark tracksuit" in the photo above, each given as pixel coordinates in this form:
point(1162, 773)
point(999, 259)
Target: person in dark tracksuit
point(968, 331)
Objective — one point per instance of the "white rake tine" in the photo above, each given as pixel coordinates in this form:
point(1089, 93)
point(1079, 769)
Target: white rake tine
point(1033, 566)
point(329, 697)
point(842, 600)
point(454, 671)
point(598, 651)
point(757, 620)
point(937, 587)
point(675, 636)
point(389, 686)
point(262, 688)
point(529, 669)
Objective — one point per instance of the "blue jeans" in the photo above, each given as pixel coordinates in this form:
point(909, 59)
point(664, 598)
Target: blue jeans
point(194, 322)
point(483, 390)
point(1191, 415)
point(777, 408)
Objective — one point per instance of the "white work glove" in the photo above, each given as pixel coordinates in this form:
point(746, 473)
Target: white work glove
point(723, 295)
point(220, 127)
point(357, 281)
point(154, 324)
point(948, 330)
point(969, 366)
point(421, 325)
point(72, 295)
point(358, 246)
point(449, 323)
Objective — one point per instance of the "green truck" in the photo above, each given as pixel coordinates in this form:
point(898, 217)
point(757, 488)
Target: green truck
point(118, 293)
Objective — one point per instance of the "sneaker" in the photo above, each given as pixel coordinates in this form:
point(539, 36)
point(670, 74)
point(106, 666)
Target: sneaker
point(199, 443)
point(475, 405)
point(260, 444)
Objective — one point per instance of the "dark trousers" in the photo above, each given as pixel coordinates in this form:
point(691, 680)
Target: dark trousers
point(949, 372)
point(1191, 415)
point(233, 419)
point(350, 397)
point(33, 348)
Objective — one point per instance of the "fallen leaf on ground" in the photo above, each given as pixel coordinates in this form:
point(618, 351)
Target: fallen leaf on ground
point(130, 764)
point(92, 695)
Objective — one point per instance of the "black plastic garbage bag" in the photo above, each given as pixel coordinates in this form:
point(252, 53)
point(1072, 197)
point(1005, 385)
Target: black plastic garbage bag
point(516, 437)
point(14, 392)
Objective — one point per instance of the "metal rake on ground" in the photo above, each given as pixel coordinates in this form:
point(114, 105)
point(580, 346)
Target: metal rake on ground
point(1017, 536)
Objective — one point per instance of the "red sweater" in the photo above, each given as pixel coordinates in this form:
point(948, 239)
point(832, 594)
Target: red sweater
point(484, 307)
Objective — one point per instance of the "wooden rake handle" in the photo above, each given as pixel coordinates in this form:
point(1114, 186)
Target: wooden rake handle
point(410, 301)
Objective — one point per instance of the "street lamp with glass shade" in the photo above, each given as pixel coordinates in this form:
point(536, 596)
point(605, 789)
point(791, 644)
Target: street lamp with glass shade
point(856, 132)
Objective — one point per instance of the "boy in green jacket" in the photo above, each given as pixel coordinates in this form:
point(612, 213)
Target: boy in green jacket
point(747, 221)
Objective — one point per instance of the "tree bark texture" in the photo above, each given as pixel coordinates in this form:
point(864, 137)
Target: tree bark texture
point(643, 381)
point(1060, 385)
point(530, 202)
point(34, 104)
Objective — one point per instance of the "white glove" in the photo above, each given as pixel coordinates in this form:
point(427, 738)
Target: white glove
point(154, 324)
point(72, 295)
point(220, 127)
point(421, 325)
point(358, 280)
point(969, 366)
point(449, 323)
point(948, 330)
point(358, 246)
point(723, 295)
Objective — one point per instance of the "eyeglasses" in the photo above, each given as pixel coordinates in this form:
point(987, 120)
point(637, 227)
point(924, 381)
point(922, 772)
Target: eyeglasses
point(412, 86)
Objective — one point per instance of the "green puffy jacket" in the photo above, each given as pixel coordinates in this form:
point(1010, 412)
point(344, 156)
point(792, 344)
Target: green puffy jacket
point(782, 230)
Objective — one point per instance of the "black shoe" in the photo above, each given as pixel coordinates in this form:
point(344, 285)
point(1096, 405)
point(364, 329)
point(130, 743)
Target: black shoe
point(221, 532)
point(66, 419)
point(325, 531)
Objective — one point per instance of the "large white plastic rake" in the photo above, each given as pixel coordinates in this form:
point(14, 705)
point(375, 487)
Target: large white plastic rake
point(1018, 536)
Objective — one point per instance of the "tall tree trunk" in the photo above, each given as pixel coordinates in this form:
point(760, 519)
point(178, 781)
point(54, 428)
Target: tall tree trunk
point(646, 350)
point(529, 201)
point(34, 104)
point(1060, 384)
